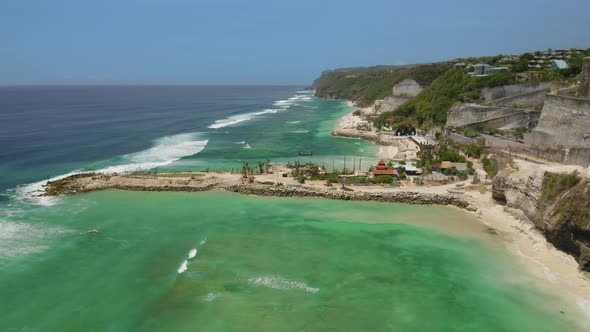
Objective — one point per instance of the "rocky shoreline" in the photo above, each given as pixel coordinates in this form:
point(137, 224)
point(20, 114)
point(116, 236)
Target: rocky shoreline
point(83, 183)
point(407, 197)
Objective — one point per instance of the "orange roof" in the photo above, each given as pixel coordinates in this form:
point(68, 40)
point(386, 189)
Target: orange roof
point(381, 165)
point(384, 172)
point(382, 169)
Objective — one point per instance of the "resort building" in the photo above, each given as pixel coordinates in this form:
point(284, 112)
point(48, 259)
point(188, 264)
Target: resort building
point(558, 64)
point(497, 70)
point(383, 169)
point(412, 170)
point(483, 69)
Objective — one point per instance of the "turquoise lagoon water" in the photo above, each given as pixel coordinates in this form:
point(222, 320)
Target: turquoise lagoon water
point(219, 261)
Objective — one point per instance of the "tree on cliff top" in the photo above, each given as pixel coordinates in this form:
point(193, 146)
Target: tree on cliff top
point(430, 107)
point(366, 85)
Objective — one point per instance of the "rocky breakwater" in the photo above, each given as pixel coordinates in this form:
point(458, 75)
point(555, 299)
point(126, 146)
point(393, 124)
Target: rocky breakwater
point(407, 197)
point(87, 182)
point(554, 199)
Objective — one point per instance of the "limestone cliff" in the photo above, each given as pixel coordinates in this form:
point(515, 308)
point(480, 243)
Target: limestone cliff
point(555, 200)
point(464, 115)
point(584, 89)
point(365, 85)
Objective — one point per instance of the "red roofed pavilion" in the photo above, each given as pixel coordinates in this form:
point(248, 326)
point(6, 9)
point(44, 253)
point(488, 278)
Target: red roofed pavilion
point(383, 169)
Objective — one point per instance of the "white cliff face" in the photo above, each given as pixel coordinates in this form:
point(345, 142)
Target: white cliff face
point(584, 89)
point(407, 88)
point(520, 188)
point(565, 121)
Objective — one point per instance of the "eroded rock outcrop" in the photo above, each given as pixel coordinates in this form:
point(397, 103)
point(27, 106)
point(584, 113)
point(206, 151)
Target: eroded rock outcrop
point(556, 199)
point(584, 88)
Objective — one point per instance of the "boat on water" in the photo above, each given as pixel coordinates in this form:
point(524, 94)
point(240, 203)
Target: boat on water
point(305, 153)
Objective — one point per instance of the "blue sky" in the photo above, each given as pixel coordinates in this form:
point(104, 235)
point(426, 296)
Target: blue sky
point(259, 42)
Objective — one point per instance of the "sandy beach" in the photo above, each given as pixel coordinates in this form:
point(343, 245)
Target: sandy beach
point(390, 146)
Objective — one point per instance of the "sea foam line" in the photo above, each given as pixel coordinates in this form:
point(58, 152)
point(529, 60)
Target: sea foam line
point(164, 151)
point(23, 238)
point(275, 282)
point(235, 119)
point(282, 105)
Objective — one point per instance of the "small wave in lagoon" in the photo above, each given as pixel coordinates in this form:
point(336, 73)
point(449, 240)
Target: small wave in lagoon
point(192, 253)
point(183, 266)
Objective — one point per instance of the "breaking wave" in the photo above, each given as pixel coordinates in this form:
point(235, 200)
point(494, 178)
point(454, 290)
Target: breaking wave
point(282, 105)
point(192, 253)
point(235, 119)
point(164, 151)
point(183, 266)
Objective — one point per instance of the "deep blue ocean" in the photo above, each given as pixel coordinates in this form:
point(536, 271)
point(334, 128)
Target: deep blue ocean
point(46, 131)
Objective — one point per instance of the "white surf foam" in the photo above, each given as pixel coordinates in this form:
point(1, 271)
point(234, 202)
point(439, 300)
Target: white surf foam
point(549, 275)
point(211, 296)
point(21, 238)
point(280, 283)
point(303, 131)
point(192, 254)
point(293, 122)
point(235, 119)
point(164, 151)
point(584, 305)
point(183, 266)
point(285, 102)
point(242, 142)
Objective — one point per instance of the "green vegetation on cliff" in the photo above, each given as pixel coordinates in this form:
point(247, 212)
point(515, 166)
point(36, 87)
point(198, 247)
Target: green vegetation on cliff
point(556, 184)
point(444, 84)
point(565, 207)
point(365, 85)
point(432, 105)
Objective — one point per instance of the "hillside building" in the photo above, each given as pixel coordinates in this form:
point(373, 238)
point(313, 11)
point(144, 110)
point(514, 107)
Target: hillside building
point(483, 69)
point(558, 64)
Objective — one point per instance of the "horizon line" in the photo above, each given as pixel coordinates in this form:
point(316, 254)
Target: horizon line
point(56, 84)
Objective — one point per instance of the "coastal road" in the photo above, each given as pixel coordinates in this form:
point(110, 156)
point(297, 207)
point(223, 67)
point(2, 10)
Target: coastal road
point(495, 143)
